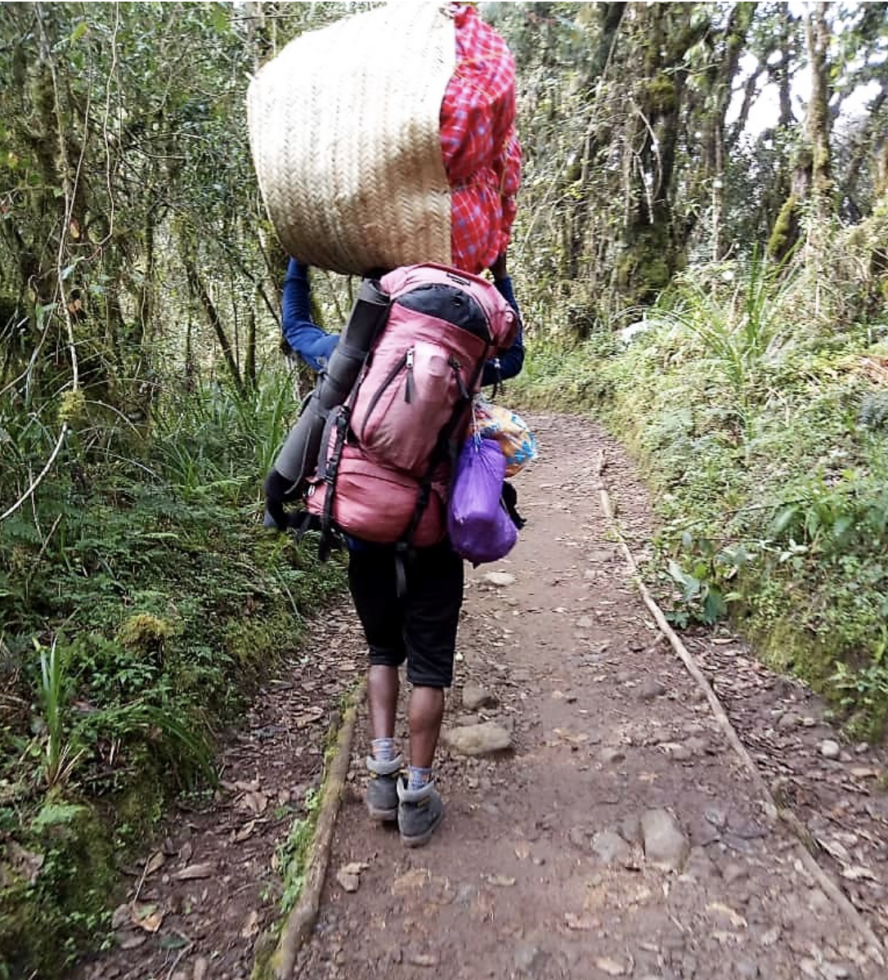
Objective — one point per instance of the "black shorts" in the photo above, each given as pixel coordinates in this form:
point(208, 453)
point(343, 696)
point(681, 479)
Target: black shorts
point(419, 627)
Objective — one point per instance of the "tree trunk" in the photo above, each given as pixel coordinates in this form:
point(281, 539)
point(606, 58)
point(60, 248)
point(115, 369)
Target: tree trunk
point(250, 356)
point(653, 248)
point(818, 124)
point(199, 289)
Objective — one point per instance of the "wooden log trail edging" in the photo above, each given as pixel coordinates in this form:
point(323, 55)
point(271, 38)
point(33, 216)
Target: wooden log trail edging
point(298, 927)
point(875, 948)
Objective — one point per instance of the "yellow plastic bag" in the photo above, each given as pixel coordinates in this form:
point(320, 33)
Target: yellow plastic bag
point(497, 422)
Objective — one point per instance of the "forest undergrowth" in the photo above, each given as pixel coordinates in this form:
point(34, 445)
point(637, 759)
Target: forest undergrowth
point(139, 609)
point(755, 397)
point(140, 597)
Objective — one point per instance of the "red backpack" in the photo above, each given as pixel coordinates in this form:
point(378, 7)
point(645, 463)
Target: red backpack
point(372, 452)
point(386, 453)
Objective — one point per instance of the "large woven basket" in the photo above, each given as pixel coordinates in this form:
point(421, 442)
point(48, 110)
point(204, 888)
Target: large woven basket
point(345, 134)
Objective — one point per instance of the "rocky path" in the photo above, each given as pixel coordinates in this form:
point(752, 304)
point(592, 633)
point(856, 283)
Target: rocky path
point(617, 835)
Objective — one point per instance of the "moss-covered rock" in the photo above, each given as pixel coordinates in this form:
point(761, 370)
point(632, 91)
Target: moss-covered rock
point(145, 636)
point(256, 642)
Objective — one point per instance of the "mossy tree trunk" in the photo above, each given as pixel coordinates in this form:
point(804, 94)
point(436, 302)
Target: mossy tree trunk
point(653, 246)
point(818, 124)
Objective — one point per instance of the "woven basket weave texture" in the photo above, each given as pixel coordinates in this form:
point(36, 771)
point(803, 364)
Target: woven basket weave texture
point(345, 133)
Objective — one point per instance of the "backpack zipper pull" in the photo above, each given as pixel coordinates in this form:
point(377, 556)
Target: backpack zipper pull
point(408, 386)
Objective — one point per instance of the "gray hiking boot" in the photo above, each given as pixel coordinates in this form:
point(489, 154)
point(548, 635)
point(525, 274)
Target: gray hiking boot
point(419, 813)
point(382, 790)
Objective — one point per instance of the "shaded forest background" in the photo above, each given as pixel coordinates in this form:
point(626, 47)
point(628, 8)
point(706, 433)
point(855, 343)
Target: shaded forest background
point(701, 256)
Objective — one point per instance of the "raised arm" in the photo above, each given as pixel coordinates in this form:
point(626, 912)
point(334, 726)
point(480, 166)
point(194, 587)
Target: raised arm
point(510, 362)
point(305, 337)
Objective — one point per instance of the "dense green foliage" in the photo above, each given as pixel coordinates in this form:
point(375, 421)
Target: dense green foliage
point(668, 149)
point(170, 600)
point(140, 597)
point(762, 429)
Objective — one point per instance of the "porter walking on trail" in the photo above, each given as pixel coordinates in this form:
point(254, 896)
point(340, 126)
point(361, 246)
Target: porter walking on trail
point(413, 621)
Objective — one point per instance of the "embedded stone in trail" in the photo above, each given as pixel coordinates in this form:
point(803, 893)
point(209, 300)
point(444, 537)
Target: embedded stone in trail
point(610, 848)
point(349, 875)
point(664, 843)
point(463, 721)
point(500, 579)
point(789, 720)
point(529, 959)
point(830, 749)
point(579, 837)
point(651, 688)
point(474, 697)
point(630, 829)
point(484, 739)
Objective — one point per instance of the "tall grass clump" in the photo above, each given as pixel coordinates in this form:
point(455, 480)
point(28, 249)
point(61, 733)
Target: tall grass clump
point(215, 440)
point(740, 322)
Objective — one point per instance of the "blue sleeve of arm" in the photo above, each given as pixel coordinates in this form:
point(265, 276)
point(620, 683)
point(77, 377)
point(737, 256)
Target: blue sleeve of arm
point(512, 360)
point(307, 339)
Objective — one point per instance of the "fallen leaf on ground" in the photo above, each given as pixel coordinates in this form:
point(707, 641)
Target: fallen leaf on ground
point(609, 966)
point(246, 831)
point(522, 850)
point(834, 848)
point(424, 959)
point(572, 739)
point(251, 925)
point(147, 917)
point(734, 917)
point(307, 717)
point(855, 873)
point(500, 881)
point(195, 871)
point(155, 862)
point(580, 922)
point(255, 802)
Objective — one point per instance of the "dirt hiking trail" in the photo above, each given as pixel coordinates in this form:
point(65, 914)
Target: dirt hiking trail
point(616, 835)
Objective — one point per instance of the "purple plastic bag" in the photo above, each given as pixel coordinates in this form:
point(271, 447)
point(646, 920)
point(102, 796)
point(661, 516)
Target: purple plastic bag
point(479, 527)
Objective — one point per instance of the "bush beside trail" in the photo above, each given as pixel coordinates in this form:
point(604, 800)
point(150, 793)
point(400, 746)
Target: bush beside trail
point(756, 398)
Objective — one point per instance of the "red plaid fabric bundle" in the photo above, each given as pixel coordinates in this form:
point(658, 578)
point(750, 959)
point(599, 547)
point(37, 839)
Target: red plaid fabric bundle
point(482, 155)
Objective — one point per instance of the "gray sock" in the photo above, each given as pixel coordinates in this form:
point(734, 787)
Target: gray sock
point(417, 777)
point(383, 749)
